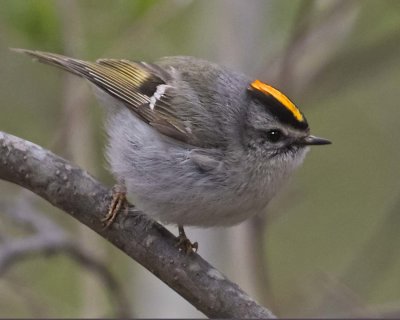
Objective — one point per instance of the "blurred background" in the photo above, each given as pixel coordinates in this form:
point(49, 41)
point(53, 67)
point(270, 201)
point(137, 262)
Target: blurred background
point(327, 246)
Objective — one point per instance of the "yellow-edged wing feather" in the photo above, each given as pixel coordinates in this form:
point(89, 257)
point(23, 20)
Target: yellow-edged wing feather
point(133, 83)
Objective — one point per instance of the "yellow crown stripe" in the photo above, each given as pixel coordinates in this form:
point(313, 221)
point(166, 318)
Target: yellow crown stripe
point(261, 86)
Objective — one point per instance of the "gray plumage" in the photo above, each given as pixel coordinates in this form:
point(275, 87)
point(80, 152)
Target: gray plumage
point(191, 143)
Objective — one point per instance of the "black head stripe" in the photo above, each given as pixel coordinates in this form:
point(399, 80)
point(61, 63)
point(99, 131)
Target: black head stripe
point(279, 111)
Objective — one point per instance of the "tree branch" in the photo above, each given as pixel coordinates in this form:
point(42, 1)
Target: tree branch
point(49, 237)
point(80, 195)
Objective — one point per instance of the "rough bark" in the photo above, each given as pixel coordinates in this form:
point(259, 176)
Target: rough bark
point(77, 193)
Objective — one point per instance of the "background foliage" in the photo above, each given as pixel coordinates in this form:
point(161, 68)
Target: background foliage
point(327, 244)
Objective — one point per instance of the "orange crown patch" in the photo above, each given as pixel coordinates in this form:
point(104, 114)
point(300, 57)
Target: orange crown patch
point(266, 89)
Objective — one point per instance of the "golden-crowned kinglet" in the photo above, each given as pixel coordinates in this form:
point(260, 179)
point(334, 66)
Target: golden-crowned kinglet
point(193, 142)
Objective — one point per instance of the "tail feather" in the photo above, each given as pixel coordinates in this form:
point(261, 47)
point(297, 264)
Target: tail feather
point(72, 65)
point(140, 86)
point(107, 77)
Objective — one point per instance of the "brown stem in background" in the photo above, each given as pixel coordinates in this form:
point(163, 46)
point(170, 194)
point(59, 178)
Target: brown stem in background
point(49, 238)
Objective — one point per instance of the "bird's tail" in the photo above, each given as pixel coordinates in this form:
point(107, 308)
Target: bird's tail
point(75, 66)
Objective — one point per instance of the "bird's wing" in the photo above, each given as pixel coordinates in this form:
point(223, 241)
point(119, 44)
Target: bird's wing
point(142, 87)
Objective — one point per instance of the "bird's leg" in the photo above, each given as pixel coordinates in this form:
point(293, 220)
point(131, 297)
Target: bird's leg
point(184, 243)
point(117, 202)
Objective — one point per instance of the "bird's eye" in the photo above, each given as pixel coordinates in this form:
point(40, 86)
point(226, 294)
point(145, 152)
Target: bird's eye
point(274, 135)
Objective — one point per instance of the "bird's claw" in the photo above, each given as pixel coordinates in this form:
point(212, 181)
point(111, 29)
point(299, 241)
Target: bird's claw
point(184, 244)
point(117, 202)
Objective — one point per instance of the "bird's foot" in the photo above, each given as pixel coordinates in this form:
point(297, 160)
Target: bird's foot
point(184, 244)
point(118, 201)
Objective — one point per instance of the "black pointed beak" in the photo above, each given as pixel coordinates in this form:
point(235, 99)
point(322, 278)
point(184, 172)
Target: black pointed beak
point(313, 141)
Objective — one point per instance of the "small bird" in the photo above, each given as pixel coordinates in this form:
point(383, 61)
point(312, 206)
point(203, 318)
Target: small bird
point(192, 142)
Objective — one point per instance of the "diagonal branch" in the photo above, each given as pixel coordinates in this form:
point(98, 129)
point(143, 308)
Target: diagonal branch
point(80, 195)
point(49, 238)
